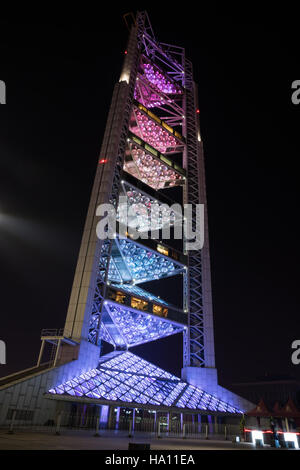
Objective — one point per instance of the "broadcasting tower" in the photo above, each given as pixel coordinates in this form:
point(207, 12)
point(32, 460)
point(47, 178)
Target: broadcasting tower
point(152, 157)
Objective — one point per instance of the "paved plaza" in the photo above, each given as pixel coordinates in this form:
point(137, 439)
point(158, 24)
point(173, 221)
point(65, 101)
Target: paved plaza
point(84, 440)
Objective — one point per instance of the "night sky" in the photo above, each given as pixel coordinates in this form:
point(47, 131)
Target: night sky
point(60, 74)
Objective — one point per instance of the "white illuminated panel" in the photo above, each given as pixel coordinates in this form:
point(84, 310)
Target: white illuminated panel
point(291, 437)
point(257, 435)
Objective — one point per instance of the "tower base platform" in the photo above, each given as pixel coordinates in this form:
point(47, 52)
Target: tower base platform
point(207, 378)
point(124, 379)
point(120, 379)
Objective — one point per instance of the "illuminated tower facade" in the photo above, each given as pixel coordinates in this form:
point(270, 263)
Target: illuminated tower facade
point(152, 156)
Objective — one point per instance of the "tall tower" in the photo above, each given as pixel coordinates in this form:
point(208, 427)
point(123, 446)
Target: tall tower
point(152, 157)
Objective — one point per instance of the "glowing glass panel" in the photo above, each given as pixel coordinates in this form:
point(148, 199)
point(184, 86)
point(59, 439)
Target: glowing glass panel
point(137, 328)
point(160, 81)
point(152, 133)
point(146, 213)
point(150, 170)
point(125, 377)
point(146, 265)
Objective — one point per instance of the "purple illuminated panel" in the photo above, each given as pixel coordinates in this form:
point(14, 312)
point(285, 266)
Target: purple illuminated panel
point(159, 80)
point(147, 97)
point(154, 88)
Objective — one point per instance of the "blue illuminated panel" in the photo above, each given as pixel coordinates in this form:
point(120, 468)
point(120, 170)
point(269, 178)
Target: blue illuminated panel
point(145, 265)
point(131, 263)
point(132, 328)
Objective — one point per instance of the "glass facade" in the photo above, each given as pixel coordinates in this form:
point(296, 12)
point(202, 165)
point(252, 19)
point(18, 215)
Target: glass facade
point(127, 378)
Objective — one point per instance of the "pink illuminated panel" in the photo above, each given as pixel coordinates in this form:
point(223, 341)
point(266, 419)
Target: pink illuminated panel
point(150, 170)
point(153, 133)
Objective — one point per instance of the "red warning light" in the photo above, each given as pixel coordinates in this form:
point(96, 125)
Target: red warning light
point(103, 160)
point(125, 52)
point(198, 111)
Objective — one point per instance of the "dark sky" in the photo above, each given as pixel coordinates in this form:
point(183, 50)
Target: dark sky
point(60, 75)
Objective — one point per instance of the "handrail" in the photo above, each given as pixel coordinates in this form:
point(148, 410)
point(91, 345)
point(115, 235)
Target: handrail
point(56, 332)
point(25, 373)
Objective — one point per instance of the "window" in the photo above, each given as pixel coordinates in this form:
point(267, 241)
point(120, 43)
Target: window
point(163, 250)
point(159, 310)
point(117, 296)
point(139, 303)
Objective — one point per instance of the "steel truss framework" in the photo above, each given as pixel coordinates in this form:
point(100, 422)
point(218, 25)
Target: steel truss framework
point(196, 316)
point(162, 80)
point(173, 59)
